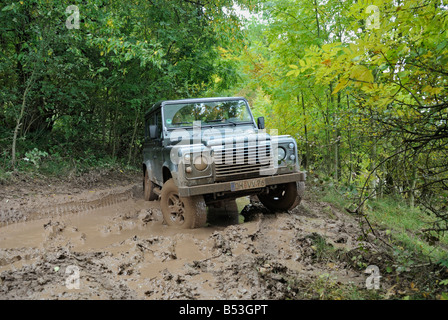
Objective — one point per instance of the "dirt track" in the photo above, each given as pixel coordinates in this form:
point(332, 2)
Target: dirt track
point(121, 248)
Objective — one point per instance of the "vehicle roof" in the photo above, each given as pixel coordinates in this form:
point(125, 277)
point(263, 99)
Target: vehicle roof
point(191, 100)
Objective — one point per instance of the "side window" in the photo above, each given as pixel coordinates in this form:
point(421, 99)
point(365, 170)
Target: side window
point(154, 118)
point(149, 121)
point(159, 124)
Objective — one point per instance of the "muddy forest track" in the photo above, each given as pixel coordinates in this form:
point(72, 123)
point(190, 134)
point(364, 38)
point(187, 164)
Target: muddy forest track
point(123, 250)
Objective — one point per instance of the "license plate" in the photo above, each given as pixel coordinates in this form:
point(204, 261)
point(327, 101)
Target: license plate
point(247, 184)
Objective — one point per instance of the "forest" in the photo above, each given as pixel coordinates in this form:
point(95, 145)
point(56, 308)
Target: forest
point(362, 86)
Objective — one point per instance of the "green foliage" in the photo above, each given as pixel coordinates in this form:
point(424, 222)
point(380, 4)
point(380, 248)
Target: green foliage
point(64, 89)
point(35, 156)
point(366, 103)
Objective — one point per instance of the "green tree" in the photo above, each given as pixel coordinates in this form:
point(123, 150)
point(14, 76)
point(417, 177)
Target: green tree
point(63, 89)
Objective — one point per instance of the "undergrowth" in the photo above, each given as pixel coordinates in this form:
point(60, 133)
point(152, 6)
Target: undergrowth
point(416, 266)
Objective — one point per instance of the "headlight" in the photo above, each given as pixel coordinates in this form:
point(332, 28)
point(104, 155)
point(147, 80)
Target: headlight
point(281, 153)
point(200, 163)
point(187, 158)
point(291, 146)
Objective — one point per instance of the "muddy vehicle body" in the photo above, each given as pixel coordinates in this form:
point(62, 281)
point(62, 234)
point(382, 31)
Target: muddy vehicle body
point(210, 151)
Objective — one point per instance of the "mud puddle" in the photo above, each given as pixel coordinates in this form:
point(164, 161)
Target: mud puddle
point(110, 244)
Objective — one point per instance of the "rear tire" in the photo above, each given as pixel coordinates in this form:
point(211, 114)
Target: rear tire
point(182, 212)
point(148, 188)
point(282, 198)
point(223, 213)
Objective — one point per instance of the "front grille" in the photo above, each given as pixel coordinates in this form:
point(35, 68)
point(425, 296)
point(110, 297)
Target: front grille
point(241, 160)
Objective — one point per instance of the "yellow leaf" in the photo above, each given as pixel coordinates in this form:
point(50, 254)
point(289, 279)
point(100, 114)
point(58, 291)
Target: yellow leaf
point(327, 62)
point(293, 73)
point(293, 66)
point(353, 47)
point(341, 85)
point(432, 90)
point(326, 46)
point(427, 88)
point(436, 90)
point(362, 74)
point(302, 63)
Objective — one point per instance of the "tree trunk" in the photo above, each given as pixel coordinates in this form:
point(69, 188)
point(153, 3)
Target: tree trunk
point(349, 136)
point(317, 19)
point(133, 136)
point(307, 148)
point(372, 166)
point(19, 120)
point(413, 182)
point(337, 139)
point(104, 118)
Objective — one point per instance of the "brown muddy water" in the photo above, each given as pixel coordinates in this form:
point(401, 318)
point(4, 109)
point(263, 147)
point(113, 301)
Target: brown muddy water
point(108, 243)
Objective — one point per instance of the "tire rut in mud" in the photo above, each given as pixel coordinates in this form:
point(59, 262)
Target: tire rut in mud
point(68, 207)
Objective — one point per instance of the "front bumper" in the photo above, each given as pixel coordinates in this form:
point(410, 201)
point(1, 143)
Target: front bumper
point(226, 186)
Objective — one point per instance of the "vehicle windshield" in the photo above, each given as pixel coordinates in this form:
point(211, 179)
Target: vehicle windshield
point(215, 112)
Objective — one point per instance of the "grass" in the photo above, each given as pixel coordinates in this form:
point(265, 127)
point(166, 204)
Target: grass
point(416, 265)
point(416, 260)
point(406, 223)
point(402, 222)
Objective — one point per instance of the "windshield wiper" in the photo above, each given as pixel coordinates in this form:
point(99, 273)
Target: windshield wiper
point(181, 123)
point(238, 122)
point(215, 120)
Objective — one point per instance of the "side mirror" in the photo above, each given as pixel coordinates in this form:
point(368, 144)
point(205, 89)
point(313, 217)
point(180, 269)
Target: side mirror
point(260, 122)
point(152, 131)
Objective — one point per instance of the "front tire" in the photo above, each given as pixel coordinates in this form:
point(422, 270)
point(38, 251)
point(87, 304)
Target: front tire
point(182, 212)
point(283, 198)
point(300, 192)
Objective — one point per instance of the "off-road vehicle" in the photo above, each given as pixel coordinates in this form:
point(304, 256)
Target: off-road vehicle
point(210, 151)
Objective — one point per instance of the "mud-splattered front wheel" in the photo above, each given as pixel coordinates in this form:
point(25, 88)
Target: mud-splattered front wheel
point(182, 212)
